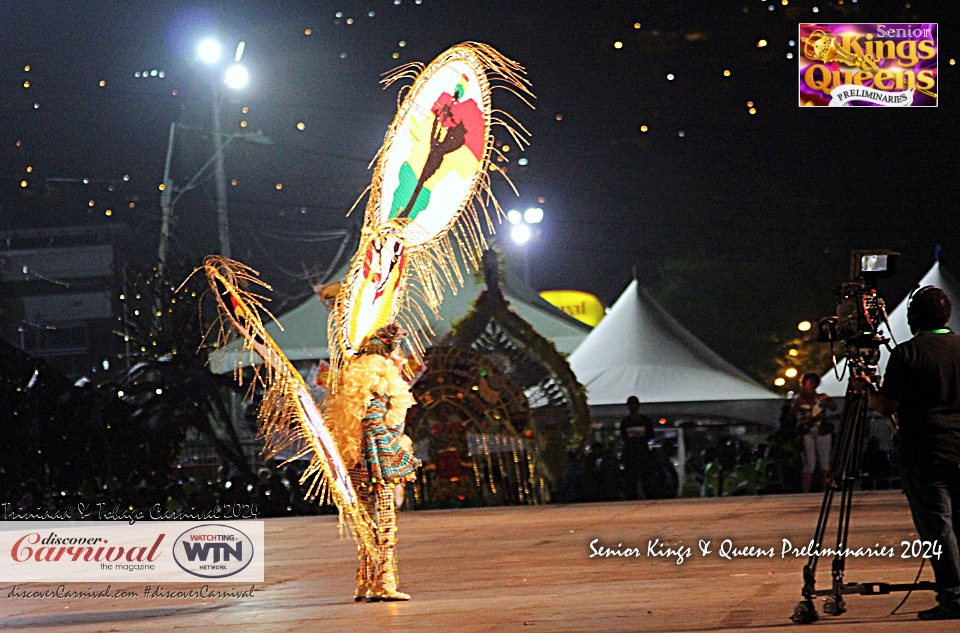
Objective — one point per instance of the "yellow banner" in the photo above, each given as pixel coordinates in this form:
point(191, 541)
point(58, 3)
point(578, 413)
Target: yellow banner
point(582, 306)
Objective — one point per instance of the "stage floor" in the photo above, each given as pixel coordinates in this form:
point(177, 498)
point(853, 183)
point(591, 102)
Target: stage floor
point(529, 569)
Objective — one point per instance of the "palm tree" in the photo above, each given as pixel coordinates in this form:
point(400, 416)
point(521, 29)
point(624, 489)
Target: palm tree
point(169, 381)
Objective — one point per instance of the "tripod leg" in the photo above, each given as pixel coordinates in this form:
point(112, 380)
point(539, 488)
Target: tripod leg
point(844, 462)
point(847, 469)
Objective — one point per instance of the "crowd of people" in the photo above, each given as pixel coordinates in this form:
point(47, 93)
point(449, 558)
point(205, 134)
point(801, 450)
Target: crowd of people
point(636, 462)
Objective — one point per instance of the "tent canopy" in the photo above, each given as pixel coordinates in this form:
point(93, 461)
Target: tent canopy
point(639, 349)
point(304, 332)
point(899, 328)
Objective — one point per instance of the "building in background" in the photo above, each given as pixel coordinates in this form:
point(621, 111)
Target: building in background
point(57, 291)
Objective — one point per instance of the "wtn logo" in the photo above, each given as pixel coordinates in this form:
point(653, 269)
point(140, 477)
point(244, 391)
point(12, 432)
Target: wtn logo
point(214, 551)
point(220, 551)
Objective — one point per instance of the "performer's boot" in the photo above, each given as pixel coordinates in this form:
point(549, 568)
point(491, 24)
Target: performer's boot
point(387, 589)
point(366, 567)
point(365, 575)
point(806, 482)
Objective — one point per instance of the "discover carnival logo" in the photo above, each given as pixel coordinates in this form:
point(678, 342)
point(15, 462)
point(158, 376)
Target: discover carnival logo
point(213, 551)
point(53, 548)
point(111, 551)
point(866, 65)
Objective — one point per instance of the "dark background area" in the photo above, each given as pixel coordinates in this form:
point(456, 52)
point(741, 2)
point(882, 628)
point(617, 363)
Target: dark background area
point(741, 227)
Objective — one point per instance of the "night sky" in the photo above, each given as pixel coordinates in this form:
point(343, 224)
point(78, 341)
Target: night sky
point(741, 224)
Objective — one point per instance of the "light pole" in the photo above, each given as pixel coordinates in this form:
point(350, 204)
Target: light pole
point(523, 230)
point(235, 77)
point(223, 225)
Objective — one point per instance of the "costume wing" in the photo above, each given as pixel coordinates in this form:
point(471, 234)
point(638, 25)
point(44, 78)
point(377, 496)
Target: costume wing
point(288, 415)
point(427, 215)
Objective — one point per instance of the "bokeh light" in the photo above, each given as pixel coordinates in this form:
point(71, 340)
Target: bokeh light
point(236, 77)
point(520, 233)
point(209, 51)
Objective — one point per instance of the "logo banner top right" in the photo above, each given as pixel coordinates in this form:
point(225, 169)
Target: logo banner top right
point(868, 65)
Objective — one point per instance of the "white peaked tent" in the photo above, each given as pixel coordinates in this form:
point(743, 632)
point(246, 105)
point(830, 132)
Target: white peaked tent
point(900, 330)
point(304, 333)
point(639, 349)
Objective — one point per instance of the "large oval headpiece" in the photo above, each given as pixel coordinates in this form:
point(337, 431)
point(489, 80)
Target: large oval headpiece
point(436, 150)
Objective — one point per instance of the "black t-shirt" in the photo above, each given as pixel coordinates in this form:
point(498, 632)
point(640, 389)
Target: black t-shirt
point(923, 375)
point(635, 434)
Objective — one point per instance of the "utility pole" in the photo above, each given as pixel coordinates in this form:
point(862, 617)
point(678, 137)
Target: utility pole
point(223, 225)
point(165, 205)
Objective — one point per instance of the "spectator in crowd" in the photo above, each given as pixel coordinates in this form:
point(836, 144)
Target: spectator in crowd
point(810, 408)
point(636, 430)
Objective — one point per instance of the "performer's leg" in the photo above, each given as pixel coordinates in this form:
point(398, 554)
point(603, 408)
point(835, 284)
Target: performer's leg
point(387, 578)
point(366, 568)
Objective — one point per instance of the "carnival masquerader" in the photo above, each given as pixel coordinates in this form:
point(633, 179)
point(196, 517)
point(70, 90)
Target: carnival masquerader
point(366, 415)
point(424, 227)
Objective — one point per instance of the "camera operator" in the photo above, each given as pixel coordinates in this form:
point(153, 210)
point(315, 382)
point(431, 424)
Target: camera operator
point(922, 387)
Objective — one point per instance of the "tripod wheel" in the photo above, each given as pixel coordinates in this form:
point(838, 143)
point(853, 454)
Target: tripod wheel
point(833, 606)
point(804, 613)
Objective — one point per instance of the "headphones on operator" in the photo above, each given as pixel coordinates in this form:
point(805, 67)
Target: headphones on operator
point(913, 295)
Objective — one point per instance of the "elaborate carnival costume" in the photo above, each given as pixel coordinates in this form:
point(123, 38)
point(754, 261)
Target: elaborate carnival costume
point(366, 417)
point(424, 223)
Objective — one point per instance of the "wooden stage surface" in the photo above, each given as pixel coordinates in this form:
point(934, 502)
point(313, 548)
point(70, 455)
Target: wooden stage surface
point(529, 569)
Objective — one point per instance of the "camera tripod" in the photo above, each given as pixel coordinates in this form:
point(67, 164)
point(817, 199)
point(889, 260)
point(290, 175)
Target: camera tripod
point(862, 356)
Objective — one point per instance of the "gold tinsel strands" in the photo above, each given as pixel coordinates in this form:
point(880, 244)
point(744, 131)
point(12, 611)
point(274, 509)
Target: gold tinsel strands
point(288, 417)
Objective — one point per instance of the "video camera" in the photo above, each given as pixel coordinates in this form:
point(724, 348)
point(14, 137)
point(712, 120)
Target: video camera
point(860, 310)
point(860, 313)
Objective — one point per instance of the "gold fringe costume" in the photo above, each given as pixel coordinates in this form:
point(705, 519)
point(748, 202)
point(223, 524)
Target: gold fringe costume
point(366, 416)
point(406, 262)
